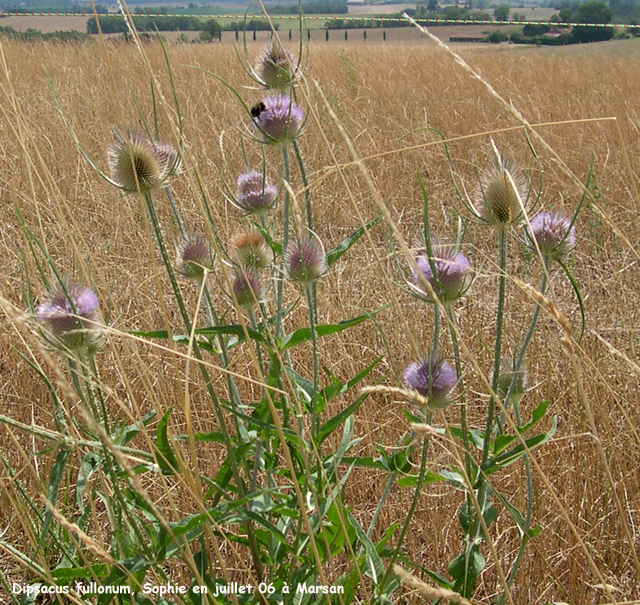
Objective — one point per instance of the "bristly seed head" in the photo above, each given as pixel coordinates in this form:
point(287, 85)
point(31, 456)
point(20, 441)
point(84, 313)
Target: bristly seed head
point(250, 250)
point(138, 164)
point(247, 288)
point(508, 373)
point(255, 194)
point(305, 260)
point(451, 269)
point(278, 119)
point(276, 67)
point(434, 379)
point(194, 256)
point(554, 234)
point(503, 193)
point(70, 313)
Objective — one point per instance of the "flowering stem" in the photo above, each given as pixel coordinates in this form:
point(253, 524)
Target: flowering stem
point(463, 399)
point(498, 342)
point(311, 303)
point(205, 373)
point(214, 320)
point(285, 242)
point(482, 498)
point(96, 385)
point(436, 337)
point(305, 182)
point(412, 507)
point(518, 417)
point(174, 210)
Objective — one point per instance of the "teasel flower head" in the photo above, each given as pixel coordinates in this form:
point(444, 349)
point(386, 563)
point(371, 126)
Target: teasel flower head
point(503, 193)
point(278, 119)
point(255, 194)
point(249, 250)
point(276, 67)
point(70, 314)
point(508, 373)
point(452, 271)
point(247, 288)
point(305, 260)
point(553, 233)
point(194, 257)
point(433, 379)
point(138, 164)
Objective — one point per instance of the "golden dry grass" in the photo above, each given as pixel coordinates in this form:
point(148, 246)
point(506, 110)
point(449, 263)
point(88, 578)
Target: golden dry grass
point(384, 95)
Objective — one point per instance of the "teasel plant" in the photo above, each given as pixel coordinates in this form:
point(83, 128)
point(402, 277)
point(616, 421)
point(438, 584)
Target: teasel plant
point(505, 201)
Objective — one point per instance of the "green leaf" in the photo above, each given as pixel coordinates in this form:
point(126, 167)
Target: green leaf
point(90, 463)
point(373, 568)
point(333, 255)
point(165, 457)
point(333, 423)
point(55, 479)
point(465, 569)
point(273, 244)
point(69, 573)
point(502, 442)
point(304, 385)
point(514, 454)
point(304, 334)
point(338, 388)
point(127, 433)
point(236, 330)
point(536, 416)
point(212, 437)
point(454, 477)
point(412, 480)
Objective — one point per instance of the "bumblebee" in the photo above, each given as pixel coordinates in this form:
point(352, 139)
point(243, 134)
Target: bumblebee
point(257, 109)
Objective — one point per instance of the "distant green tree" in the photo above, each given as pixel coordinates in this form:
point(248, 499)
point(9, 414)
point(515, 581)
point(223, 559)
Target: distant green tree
point(593, 11)
point(501, 13)
point(495, 37)
point(535, 30)
point(213, 29)
point(433, 6)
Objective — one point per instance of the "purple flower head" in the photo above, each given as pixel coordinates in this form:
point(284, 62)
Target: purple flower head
point(70, 314)
point(138, 164)
point(305, 260)
point(554, 234)
point(433, 379)
point(278, 119)
point(255, 194)
point(503, 193)
point(194, 256)
point(247, 288)
point(451, 269)
point(276, 68)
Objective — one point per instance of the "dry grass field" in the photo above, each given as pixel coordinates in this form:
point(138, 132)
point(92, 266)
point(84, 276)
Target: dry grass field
point(582, 102)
